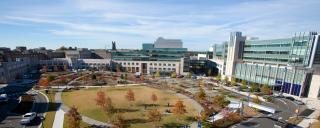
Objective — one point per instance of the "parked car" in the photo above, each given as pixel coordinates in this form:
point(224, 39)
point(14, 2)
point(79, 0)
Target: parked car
point(290, 98)
point(278, 95)
point(27, 118)
point(180, 76)
point(3, 98)
point(32, 93)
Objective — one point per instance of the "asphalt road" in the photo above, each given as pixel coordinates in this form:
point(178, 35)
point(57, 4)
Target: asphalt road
point(284, 109)
point(12, 120)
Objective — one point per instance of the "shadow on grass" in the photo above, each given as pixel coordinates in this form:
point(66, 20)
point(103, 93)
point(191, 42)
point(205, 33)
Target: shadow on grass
point(135, 121)
point(41, 107)
point(173, 125)
point(148, 105)
point(123, 110)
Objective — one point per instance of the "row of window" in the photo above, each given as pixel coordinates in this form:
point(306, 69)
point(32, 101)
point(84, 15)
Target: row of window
point(128, 63)
point(169, 69)
point(155, 64)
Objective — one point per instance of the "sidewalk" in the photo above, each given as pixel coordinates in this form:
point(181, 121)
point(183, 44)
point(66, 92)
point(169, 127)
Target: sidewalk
point(310, 119)
point(58, 119)
point(242, 93)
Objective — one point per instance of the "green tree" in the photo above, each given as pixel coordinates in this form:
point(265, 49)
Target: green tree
point(189, 75)
point(173, 75)
point(50, 78)
point(157, 74)
point(218, 77)
point(265, 89)
point(94, 77)
point(220, 100)
point(233, 81)
point(256, 100)
point(226, 79)
point(244, 84)
point(201, 95)
point(126, 76)
point(209, 72)
point(254, 87)
point(121, 76)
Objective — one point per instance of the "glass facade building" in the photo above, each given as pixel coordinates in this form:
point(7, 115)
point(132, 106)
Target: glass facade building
point(287, 65)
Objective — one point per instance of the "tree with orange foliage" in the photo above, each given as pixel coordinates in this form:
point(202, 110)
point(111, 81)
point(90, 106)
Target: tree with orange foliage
point(74, 117)
point(179, 108)
point(44, 82)
point(104, 102)
point(154, 116)
point(100, 99)
point(130, 95)
point(142, 77)
point(154, 98)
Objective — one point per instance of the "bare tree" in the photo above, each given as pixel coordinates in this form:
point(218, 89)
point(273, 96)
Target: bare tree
point(74, 117)
point(118, 121)
point(154, 98)
point(154, 116)
point(130, 95)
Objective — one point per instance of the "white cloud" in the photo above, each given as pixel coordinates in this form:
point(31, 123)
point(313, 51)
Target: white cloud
point(190, 22)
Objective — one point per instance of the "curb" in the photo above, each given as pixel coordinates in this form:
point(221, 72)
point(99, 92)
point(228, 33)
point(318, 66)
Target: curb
point(47, 107)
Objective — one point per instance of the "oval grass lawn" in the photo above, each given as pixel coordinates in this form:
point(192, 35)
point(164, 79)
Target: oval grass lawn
point(135, 113)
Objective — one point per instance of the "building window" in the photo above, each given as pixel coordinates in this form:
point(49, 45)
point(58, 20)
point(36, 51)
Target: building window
point(132, 63)
point(169, 64)
point(128, 63)
point(174, 69)
point(169, 68)
point(164, 68)
point(124, 63)
point(150, 68)
point(150, 64)
point(155, 64)
point(160, 69)
point(173, 64)
point(164, 65)
point(159, 64)
point(137, 63)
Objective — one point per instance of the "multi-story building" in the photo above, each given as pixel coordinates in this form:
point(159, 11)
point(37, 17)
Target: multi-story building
point(289, 65)
point(15, 63)
point(165, 55)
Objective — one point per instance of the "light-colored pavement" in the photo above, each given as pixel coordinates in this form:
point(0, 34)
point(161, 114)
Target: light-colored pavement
point(63, 109)
point(58, 119)
point(310, 119)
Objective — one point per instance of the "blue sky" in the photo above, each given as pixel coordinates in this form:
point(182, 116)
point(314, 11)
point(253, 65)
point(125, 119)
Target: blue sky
point(199, 23)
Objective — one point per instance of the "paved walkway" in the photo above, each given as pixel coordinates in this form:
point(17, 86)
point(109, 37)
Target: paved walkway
point(58, 119)
point(310, 119)
point(195, 104)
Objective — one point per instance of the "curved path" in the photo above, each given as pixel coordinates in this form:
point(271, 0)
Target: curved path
point(63, 108)
point(91, 121)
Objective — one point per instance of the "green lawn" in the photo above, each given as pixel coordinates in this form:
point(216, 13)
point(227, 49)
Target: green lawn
point(135, 112)
point(82, 124)
point(48, 122)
